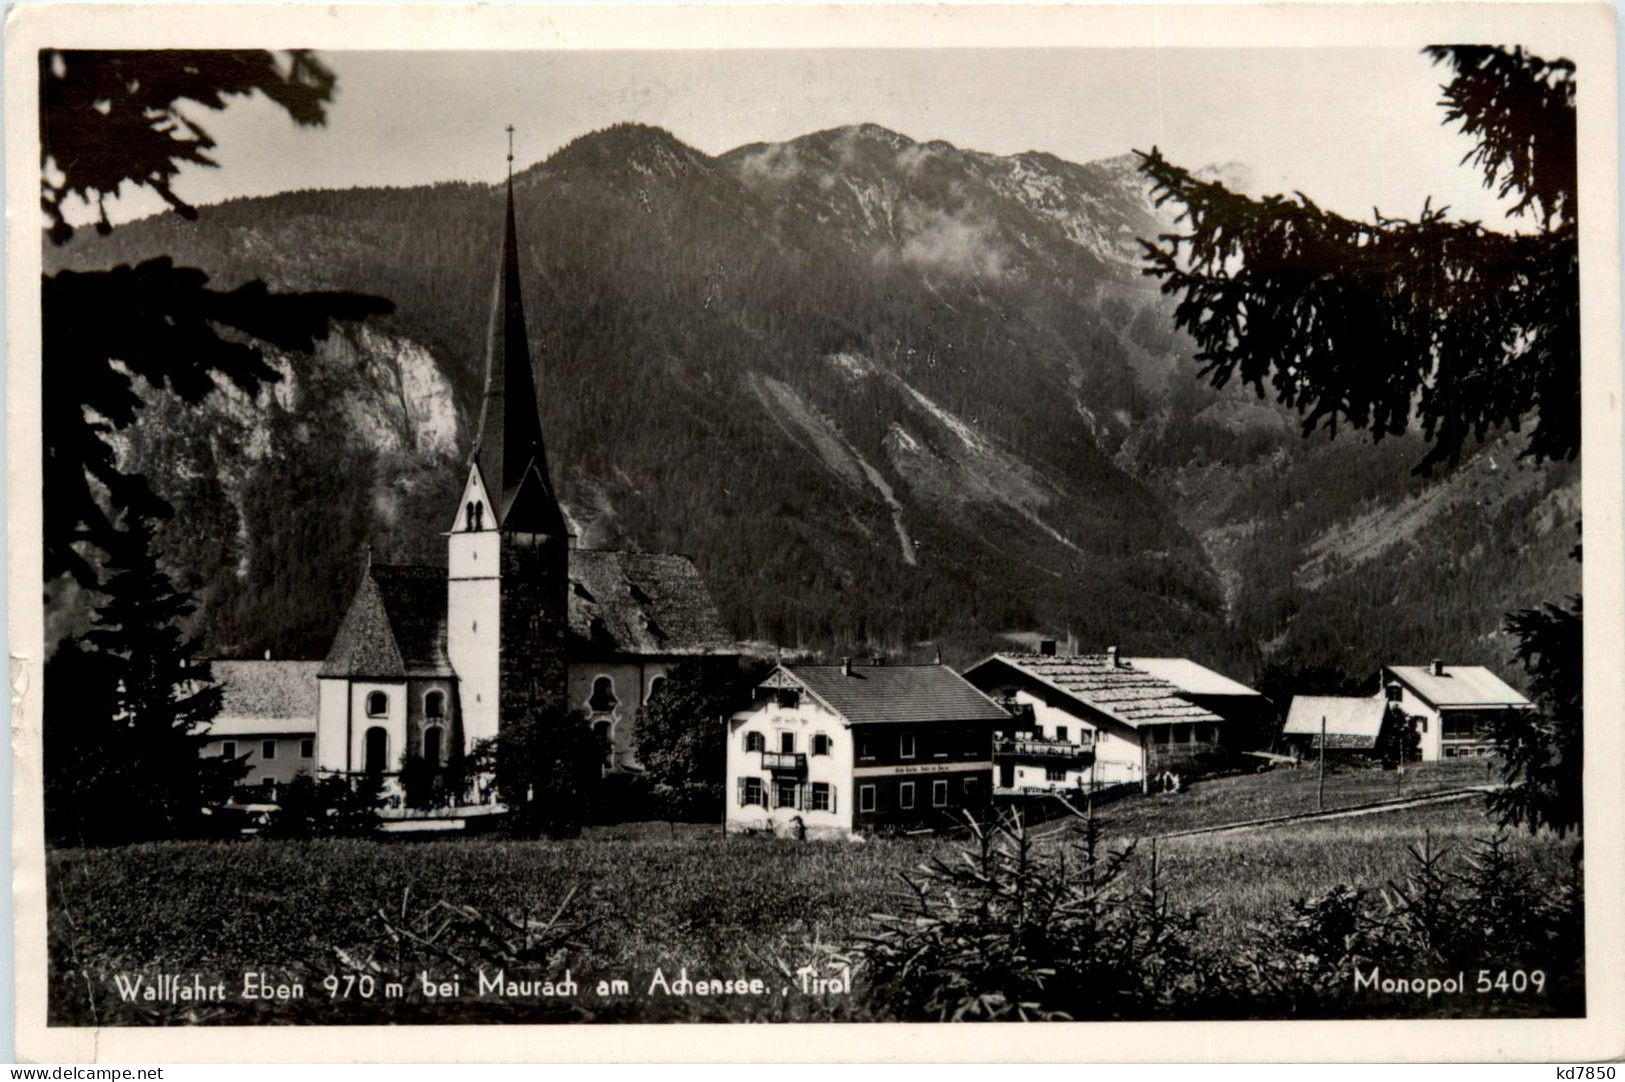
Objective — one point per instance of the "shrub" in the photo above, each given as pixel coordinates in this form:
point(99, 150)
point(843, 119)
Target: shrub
point(329, 807)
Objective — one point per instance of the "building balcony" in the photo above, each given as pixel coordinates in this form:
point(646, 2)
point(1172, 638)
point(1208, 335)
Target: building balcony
point(1022, 712)
point(784, 762)
point(1043, 749)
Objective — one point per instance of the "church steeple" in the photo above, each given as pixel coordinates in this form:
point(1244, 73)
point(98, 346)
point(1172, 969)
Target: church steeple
point(509, 451)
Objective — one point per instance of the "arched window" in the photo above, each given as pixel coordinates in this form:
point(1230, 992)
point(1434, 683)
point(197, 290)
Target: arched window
point(470, 520)
point(433, 744)
point(479, 514)
point(655, 685)
point(434, 704)
point(377, 757)
point(603, 698)
point(377, 705)
point(755, 742)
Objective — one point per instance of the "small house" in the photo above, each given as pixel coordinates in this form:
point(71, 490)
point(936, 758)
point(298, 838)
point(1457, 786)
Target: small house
point(267, 718)
point(829, 750)
point(1352, 725)
point(1457, 704)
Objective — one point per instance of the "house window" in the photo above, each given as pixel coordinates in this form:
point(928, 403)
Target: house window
point(603, 698)
point(820, 744)
point(939, 793)
point(307, 747)
point(789, 698)
point(1060, 732)
point(434, 704)
point(1055, 773)
point(970, 787)
point(267, 749)
point(866, 798)
point(821, 797)
point(866, 747)
point(787, 743)
point(905, 795)
point(905, 746)
point(750, 791)
point(376, 758)
point(939, 744)
point(377, 704)
point(433, 739)
point(755, 742)
point(784, 794)
point(228, 750)
point(655, 685)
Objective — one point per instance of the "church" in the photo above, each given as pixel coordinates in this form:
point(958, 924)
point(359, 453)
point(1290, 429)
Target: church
point(428, 661)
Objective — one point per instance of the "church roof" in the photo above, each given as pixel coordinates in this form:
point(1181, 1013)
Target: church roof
point(642, 603)
point(396, 626)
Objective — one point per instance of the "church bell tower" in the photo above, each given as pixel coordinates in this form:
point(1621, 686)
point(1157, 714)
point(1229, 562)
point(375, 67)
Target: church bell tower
point(508, 548)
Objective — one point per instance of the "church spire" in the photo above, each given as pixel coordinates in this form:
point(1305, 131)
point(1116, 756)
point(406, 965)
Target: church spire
point(509, 449)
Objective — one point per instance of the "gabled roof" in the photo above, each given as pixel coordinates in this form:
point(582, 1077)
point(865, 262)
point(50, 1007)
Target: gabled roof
point(642, 603)
point(1460, 685)
point(896, 693)
point(1124, 692)
point(1350, 722)
point(265, 698)
point(1192, 678)
point(396, 626)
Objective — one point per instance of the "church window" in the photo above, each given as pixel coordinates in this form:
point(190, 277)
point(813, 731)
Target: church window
point(267, 749)
point(434, 704)
point(470, 510)
point(377, 704)
point(433, 743)
point(755, 742)
point(655, 685)
point(377, 750)
point(603, 698)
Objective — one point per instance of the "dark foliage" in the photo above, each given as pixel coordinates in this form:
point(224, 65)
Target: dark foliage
point(1482, 328)
point(127, 717)
point(681, 732)
point(328, 807)
point(548, 771)
point(111, 118)
point(1543, 752)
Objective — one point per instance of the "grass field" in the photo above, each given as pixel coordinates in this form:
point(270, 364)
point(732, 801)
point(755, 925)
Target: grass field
point(649, 895)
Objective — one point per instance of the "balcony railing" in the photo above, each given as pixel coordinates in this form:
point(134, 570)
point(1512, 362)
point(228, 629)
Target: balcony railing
point(1041, 748)
point(784, 762)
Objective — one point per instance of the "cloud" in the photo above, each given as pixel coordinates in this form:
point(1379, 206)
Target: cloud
point(955, 244)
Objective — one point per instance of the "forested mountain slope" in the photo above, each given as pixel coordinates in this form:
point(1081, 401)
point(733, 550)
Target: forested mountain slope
point(885, 393)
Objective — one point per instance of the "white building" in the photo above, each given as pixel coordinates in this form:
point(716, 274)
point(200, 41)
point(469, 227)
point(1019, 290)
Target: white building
point(827, 750)
point(1457, 705)
point(267, 718)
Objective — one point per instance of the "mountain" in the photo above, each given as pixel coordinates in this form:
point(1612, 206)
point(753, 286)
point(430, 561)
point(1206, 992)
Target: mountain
point(886, 393)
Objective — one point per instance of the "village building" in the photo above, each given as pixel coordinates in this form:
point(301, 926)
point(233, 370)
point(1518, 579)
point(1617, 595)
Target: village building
point(1457, 706)
point(1091, 721)
point(429, 660)
point(267, 719)
point(836, 749)
point(1250, 718)
point(1353, 725)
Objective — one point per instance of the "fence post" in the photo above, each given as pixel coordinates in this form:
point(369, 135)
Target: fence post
point(1320, 795)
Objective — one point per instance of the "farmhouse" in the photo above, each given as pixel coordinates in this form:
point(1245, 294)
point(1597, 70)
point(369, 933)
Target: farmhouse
point(1457, 705)
point(1090, 721)
point(833, 749)
point(429, 660)
point(1249, 718)
point(267, 718)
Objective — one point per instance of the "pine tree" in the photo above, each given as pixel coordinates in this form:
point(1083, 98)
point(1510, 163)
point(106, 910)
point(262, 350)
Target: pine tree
point(144, 775)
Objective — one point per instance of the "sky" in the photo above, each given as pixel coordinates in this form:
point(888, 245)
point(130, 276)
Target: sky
point(1351, 128)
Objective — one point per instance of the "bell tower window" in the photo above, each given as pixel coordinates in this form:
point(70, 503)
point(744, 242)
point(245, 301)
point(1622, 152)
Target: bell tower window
point(603, 698)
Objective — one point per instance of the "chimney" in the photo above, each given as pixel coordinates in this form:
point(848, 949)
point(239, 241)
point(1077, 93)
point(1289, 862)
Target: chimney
point(1111, 657)
point(938, 660)
point(846, 666)
point(1438, 667)
point(1046, 647)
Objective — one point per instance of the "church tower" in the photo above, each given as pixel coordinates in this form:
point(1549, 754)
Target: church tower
point(508, 548)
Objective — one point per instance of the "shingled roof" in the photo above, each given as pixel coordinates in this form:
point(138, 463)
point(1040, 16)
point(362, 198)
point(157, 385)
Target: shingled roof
point(1120, 691)
point(1457, 685)
point(396, 626)
point(1350, 722)
point(642, 603)
point(892, 693)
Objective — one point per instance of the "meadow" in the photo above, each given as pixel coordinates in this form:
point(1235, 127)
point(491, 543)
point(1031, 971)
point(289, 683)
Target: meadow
point(621, 902)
